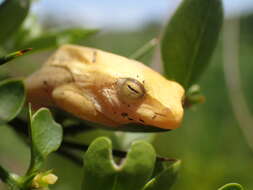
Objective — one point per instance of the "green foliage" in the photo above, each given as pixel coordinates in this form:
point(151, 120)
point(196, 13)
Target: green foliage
point(190, 38)
point(11, 56)
point(55, 39)
point(30, 34)
point(6, 177)
point(46, 137)
point(12, 92)
point(165, 179)
point(12, 98)
point(187, 45)
point(104, 173)
point(12, 14)
point(231, 186)
point(131, 173)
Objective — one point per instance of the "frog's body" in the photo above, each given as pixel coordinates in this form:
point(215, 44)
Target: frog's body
point(106, 88)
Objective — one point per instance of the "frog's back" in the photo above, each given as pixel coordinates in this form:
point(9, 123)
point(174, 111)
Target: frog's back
point(109, 63)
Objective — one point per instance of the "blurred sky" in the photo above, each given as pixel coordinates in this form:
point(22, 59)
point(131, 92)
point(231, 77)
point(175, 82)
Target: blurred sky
point(126, 14)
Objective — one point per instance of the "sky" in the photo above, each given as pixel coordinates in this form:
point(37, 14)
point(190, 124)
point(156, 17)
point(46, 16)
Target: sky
point(121, 14)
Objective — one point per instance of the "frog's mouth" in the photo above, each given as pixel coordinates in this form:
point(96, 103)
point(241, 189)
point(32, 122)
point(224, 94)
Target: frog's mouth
point(130, 127)
point(137, 127)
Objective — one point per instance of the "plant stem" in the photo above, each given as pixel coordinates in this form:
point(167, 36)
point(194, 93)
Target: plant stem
point(240, 107)
point(6, 177)
point(139, 53)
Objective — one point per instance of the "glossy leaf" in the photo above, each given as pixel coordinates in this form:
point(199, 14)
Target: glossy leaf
point(231, 186)
point(55, 39)
point(101, 172)
point(12, 14)
point(12, 98)
point(190, 38)
point(46, 137)
point(165, 178)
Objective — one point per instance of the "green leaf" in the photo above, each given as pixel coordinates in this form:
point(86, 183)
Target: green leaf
point(101, 172)
point(231, 186)
point(12, 98)
point(31, 28)
point(190, 38)
point(46, 137)
point(124, 139)
point(12, 14)
point(165, 179)
point(55, 39)
point(11, 56)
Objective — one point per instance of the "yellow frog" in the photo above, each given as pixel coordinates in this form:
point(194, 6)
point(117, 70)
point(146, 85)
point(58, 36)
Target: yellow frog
point(105, 88)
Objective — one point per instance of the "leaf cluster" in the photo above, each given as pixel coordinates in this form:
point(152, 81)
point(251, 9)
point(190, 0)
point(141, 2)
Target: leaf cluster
point(187, 44)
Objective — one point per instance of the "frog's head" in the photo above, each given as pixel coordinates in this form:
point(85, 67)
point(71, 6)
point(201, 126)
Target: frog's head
point(151, 102)
point(137, 94)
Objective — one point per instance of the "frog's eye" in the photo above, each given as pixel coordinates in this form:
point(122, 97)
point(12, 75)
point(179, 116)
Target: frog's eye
point(131, 89)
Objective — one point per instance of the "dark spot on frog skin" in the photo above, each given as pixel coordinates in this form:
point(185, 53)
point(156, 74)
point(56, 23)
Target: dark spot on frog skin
point(45, 83)
point(94, 58)
point(141, 120)
point(124, 114)
point(130, 119)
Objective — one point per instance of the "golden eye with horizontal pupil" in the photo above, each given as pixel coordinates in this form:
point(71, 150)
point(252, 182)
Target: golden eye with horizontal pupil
point(130, 89)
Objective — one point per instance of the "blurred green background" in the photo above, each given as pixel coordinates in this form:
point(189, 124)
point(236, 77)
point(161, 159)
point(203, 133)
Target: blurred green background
point(210, 143)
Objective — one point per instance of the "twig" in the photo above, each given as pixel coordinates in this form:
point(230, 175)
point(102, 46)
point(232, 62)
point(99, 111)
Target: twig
point(233, 79)
point(139, 53)
point(13, 55)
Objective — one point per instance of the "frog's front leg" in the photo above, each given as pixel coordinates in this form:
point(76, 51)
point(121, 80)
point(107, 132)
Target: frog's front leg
point(75, 101)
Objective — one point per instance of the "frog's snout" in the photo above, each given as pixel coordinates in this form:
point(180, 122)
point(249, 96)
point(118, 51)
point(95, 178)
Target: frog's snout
point(166, 118)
